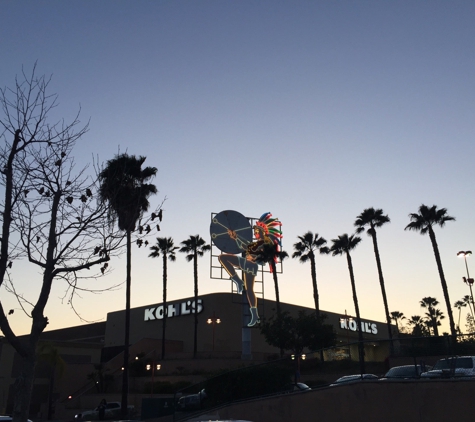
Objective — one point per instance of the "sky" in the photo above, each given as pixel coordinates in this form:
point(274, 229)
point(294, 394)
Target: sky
point(312, 110)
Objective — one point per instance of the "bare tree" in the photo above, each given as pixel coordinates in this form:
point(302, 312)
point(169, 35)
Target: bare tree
point(49, 214)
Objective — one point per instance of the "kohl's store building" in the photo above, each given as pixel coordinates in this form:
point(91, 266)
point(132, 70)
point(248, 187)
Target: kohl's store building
point(222, 320)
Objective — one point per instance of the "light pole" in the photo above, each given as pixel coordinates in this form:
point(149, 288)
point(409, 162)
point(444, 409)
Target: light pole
point(297, 372)
point(153, 366)
point(467, 280)
point(213, 320)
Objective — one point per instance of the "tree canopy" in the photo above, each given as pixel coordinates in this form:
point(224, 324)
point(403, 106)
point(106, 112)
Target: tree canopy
point(305, 331)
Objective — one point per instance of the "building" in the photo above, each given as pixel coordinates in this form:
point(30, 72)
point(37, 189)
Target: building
point(85, 346)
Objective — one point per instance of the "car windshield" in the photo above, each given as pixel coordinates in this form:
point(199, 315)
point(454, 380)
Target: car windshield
point(408, 371)
point(465, 363)
point(348, 378)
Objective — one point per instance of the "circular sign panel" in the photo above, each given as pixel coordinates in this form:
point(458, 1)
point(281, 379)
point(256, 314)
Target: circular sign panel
point(230, 220)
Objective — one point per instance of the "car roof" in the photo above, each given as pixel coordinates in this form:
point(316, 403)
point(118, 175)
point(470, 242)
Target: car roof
point(355, 377)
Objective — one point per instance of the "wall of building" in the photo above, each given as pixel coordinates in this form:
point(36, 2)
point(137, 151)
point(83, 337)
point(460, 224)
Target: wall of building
point(410, 401)
point(227, 334)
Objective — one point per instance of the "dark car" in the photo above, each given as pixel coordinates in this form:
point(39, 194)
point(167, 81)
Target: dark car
point(192, 401)
point(406, 372)
point(298, 386)
point(354, 378)
point(8, 419)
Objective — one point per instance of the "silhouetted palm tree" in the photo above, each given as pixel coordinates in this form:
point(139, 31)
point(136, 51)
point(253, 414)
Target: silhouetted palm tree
point(372, 219)
point(165, 247)
point(305, 250)
point(418, 326)
point(424, 222)
point(343, 245)
point(124, 187)
point(467, 299)
point(433, 315)
point(430, 303)
point(271, 254)
point(397, 317)
point(195, 247)
point(459, 305)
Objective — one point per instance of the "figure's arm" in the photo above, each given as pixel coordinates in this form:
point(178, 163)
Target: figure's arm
point(241, 244)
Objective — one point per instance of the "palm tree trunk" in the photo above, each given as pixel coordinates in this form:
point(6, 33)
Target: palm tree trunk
point(443, 282)
point(125, 372)
point(165, 306)
point(436, 330)
point(276, 286)
point(195, 271)
point(358, 318)
point(313, 269)
point(277, 295)
point(383, 289)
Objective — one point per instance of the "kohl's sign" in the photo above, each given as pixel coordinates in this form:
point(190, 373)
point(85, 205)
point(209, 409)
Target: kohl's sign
point(350, 324)
point(173, 310)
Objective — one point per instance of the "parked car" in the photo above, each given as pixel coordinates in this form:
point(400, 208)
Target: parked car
point(192, 401)
point(406, 372)
point(9, 419)
point(354, 378)
point(298, 386)
point(458, 366)
point(112, 411)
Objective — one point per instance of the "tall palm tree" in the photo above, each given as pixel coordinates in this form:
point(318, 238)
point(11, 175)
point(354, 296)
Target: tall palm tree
point(430, 303)
point(424, 222)
point(165, 247)
point(397, 317)
point(195, 247)
point(124, 186)
point(343, 245)
point(459, 305)
point(271, 254)
point(370, 219)
point(305, 250)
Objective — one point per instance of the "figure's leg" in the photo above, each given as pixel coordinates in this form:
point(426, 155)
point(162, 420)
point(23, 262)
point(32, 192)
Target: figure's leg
point(229, 263)
point(249, 284)
point(252, 298)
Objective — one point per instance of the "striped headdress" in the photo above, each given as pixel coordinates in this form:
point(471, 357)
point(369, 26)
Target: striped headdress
point(271, 227)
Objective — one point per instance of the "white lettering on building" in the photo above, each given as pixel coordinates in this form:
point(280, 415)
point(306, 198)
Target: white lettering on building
point(173, 310)
point(350, 324)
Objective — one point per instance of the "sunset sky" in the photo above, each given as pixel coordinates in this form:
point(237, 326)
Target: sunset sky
point(312, 110)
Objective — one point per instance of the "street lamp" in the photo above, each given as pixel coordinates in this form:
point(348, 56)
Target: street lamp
point(153, 367)
point(302, 356)
point(213, 320)
point(467, 280)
